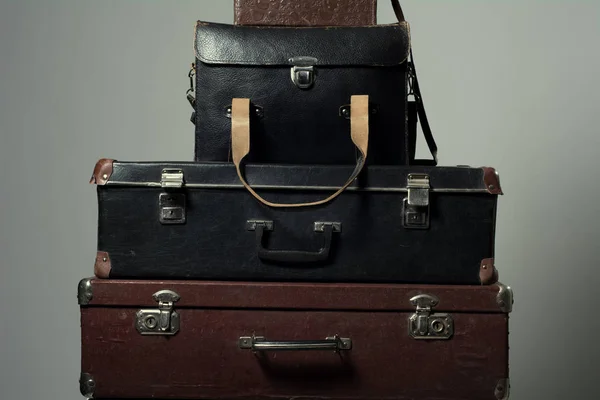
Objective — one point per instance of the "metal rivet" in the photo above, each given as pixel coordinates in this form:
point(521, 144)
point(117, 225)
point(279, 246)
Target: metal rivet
point(492, 187)
point(104, 259)
point(105, 176)
point(484, 267)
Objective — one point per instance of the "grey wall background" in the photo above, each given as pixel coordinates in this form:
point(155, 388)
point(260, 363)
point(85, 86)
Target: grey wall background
point(509, 84)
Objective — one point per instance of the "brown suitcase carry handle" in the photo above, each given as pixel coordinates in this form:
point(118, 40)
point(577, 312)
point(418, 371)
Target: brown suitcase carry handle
point(259, 343)
point(240, 143)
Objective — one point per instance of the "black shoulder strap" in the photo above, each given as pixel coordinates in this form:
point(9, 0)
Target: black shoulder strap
point(422, 116)
point(416, 91)
point(398, 10)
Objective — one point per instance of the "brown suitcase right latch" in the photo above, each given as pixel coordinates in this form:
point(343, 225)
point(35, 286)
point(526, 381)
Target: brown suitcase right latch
point(427, 325)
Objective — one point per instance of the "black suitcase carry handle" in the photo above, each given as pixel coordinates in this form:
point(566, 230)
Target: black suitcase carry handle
point(294, 256)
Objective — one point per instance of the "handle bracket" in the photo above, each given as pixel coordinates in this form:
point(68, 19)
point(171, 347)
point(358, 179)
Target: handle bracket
point(259, 343)
point(325, 229)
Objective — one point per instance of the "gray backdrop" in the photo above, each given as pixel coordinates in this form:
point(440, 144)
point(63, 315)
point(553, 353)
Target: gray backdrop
point(509, 84)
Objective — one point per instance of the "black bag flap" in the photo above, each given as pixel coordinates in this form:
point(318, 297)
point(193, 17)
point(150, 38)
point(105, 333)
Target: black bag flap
point(377, 45)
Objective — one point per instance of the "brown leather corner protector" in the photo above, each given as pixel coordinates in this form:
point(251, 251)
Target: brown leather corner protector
point(102, 171)
point(102, 266)
point(492, 180)
point(488, 274)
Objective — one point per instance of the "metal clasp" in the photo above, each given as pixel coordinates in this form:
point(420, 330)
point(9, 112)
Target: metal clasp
point(426, 325)
point(303, 71)
point(416, 204)
point(171, 205)
point(161, 321)
point(172, 208)
point(171, 178)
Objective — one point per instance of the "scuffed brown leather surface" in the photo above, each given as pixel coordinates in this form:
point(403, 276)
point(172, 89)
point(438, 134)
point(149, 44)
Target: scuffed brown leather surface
point(203, 359)
point(492, 181)
point(102, 266)
point(305, 12)
point(488, 274)
point(102, 171)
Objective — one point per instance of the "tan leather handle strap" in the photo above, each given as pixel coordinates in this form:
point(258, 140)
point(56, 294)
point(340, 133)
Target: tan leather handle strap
point(240, 143)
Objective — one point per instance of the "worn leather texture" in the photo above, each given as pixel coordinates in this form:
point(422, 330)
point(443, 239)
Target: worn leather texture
point(102, 171)
point(102, 265)
point(373, 245)
point(205, 362)
point(305, 12)
point(302, 125)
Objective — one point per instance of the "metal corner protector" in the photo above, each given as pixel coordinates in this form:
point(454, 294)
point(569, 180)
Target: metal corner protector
point(87, 385)
point(505, 297)
point(502, 390)
point(84, 291)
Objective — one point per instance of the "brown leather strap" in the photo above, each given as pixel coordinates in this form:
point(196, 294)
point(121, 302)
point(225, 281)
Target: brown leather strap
point(240, 143)
point(398, 10)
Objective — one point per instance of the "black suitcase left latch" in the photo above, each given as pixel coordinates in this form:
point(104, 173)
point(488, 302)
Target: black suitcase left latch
point(171, 202)
point(416, 204)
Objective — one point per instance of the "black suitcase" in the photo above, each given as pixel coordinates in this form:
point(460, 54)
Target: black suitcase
point(396, 224)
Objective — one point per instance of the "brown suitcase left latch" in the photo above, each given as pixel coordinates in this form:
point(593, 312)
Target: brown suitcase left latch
point(162, 320)
point(425, 324)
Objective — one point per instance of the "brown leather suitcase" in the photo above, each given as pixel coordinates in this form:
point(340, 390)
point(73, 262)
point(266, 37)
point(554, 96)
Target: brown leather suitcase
point(305, 12)
point(218, 340)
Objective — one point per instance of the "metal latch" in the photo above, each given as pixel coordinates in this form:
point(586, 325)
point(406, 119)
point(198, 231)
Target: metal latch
point(303, 71)
point(172, 208)
point(416, 204)
point(171, 178)
point(426, 325)
point(162, 320)
point(171, 205)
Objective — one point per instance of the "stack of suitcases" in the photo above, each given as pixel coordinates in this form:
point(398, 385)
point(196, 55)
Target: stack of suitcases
point(305, 252)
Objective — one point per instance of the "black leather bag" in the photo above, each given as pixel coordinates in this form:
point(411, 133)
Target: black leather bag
point(300, 82)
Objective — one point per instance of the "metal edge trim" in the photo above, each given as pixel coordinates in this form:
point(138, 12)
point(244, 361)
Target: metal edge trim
point(287, 187)
point(84, 291)
point(505, 297)
point(87, 385)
